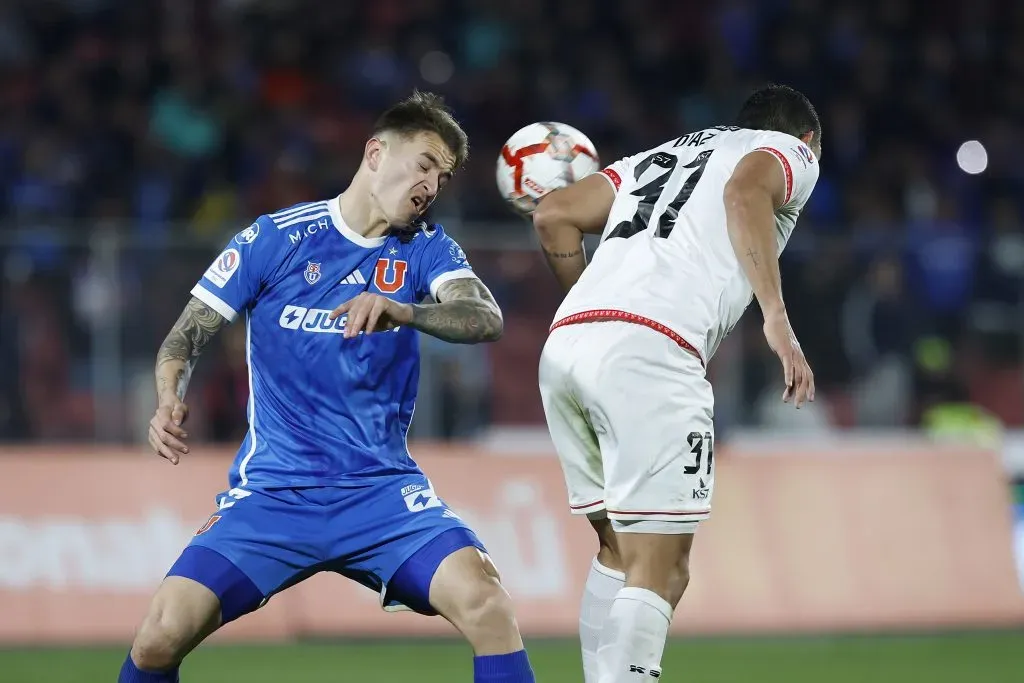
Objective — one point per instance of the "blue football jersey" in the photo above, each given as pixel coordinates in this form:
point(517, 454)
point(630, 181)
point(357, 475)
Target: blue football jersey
point(324, 410)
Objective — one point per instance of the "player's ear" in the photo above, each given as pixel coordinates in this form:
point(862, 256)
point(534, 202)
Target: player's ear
point(815, 145)
point(374, 153)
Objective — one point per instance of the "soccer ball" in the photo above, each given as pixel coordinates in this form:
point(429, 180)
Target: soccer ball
point(542, 157)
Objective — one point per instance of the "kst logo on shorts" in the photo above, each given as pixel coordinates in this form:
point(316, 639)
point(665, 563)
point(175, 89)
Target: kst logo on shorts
point(701, 493)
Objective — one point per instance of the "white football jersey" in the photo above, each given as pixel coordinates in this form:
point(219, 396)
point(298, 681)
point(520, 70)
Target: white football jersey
point(665, 257)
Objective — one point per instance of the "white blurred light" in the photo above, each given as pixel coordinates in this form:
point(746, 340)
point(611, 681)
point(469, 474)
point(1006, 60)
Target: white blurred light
point(436, 67)
point(972, 157)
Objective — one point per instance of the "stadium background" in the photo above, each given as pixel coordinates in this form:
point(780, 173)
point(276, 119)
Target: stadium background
point(135, 138)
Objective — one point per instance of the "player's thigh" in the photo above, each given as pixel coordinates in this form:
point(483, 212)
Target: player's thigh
point(568, 421)
point(392, 535)
point(656, 433)
point(251, 549)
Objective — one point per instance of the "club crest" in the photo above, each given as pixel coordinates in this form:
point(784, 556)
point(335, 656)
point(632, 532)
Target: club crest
point(312, 273)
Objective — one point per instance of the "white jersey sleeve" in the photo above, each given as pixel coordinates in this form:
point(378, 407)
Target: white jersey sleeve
point(798, 164)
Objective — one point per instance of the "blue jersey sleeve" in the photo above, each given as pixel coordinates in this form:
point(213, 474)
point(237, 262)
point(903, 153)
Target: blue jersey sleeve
point(443, 260)
point(229, 286)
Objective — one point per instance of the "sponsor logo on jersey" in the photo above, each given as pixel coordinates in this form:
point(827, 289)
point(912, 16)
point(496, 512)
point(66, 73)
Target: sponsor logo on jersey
point(221, 270)
point(314, 320)
point(389, 275)
point(312, 273)
point(249, 235)
point(702, 491)
point(311, 229)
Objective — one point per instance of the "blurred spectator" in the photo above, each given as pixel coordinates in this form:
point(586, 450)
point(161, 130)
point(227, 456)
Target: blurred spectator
point(180, 122)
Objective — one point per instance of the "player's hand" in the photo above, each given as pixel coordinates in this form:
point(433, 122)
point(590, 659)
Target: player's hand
point(166, 434)
point(798, 376)
point(372, 313)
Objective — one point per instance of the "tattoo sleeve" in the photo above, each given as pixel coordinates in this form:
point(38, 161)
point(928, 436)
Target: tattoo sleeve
point(195, 327)
point(466, 313)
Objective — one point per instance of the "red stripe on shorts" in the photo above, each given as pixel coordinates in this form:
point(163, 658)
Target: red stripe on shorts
point(625, 316)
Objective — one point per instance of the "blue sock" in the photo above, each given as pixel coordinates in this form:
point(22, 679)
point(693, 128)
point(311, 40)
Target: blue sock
point(510, 668)
point(133, 674)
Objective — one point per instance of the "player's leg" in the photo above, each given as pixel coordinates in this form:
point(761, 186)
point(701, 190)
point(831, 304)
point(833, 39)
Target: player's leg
point(604, 581)
point(657, 572)
point(234, 562)
point(652, 413)
point(466, 590)
point(401, 539)
point(580, 457)
point(182, 613)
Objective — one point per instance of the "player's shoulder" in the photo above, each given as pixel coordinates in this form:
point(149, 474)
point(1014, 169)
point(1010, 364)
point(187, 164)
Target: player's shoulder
point(298, 214)
point(285, 229)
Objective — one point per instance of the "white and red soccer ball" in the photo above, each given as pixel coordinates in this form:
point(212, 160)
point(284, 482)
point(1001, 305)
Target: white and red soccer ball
point(542, 157)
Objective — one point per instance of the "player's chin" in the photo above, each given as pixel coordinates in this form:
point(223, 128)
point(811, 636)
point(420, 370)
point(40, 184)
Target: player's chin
point(404, 218)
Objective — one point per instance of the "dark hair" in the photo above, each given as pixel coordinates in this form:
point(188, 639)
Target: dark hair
point(425, 112)
point(780, 108)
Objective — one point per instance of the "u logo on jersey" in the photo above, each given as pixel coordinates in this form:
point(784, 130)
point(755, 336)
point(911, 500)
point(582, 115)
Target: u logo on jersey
point(389, 275)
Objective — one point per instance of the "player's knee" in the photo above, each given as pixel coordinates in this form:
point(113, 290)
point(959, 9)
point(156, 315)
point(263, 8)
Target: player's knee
point(486, 608)
point(669, 582)
point(182, 614)
point(483, 606)
point(662, 568)
point(162, 641)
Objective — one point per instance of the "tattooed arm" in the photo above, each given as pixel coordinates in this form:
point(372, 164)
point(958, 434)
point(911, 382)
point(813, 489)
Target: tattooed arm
point(177, 356)
point(561, 219)
point(466, 313)
point(174, 362)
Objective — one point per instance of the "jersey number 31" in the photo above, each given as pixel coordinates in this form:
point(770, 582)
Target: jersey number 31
point(651, 192)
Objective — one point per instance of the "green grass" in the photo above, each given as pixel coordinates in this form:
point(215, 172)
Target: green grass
point(960, 658)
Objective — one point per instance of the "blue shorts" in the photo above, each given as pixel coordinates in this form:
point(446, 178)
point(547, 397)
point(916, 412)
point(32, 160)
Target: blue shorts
point(389, 534)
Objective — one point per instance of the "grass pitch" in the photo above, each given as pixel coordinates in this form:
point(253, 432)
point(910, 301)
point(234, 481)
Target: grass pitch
point(956, 658)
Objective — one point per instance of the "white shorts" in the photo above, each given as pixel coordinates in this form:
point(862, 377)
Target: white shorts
point(630, 414)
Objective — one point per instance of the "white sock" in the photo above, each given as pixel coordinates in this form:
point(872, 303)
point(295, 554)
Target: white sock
point(633, 639)
point(603, 585)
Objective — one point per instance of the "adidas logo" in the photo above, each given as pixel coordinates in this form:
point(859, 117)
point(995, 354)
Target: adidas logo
point(354, 278)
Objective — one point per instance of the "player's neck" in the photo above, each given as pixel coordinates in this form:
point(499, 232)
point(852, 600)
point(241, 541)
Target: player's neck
point(361, 213)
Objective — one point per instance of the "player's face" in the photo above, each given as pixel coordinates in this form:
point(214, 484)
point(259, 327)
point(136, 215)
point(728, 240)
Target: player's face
point(410, 173)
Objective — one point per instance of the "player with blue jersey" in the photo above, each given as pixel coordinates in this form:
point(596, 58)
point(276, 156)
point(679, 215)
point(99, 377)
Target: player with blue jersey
point(324, 481)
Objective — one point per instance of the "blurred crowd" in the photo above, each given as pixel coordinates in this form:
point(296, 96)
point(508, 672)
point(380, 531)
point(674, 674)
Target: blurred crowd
point(135, 136)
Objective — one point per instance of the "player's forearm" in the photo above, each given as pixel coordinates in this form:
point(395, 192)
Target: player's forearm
point(172, 378)
point(460, 321)
point(562, 244)
point(750, 218)
point(466, 314)
point(194, 329)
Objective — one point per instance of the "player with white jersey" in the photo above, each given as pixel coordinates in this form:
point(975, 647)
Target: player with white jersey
point(691, 232)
